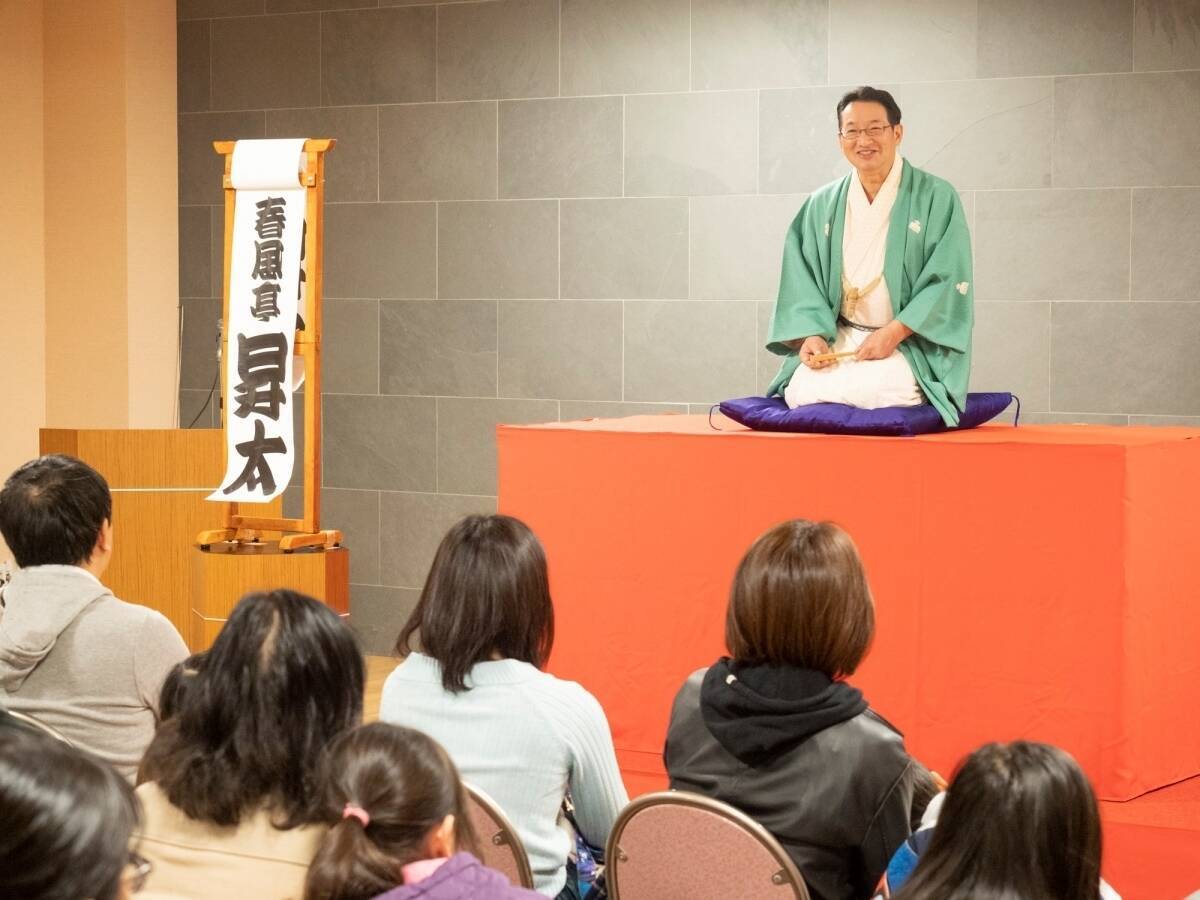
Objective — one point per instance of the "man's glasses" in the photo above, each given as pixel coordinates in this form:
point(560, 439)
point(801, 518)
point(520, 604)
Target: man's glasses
point(850, 135)
point(139, 869)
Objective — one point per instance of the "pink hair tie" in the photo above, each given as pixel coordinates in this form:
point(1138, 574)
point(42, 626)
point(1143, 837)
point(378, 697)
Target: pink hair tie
point(356, 812)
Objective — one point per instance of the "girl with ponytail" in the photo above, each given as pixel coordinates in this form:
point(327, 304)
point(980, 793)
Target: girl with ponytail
point(398, 822)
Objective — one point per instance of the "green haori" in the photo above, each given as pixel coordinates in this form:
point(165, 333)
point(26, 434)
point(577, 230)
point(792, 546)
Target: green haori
point(927, 268)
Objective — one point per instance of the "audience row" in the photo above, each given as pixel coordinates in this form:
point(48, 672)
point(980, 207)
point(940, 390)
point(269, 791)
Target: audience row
point(256, 778)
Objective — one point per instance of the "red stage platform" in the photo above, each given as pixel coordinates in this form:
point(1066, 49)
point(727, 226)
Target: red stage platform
point(1029, 582)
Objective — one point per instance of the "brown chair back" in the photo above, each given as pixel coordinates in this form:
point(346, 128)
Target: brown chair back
point(500, 846)
point(674, 845)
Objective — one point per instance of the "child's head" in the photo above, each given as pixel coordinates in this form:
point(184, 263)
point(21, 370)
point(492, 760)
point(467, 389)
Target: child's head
point(487, 595)
point(175, 685)
point(1020, 820)
point(392, 796)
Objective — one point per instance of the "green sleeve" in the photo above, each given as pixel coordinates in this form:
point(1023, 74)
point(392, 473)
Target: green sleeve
point(802, 308)
point(939, 308)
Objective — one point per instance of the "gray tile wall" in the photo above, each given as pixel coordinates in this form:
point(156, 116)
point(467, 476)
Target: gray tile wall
point(555, 209)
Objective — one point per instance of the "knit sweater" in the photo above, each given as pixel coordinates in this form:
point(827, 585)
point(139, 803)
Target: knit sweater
point(525, 738)
point(76, 658)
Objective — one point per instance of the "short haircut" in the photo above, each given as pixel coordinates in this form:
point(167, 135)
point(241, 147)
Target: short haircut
point(66, 819)
point(487, 592)
point(51, 511)
point(800, 598)
point(1020, 820)
point(866, 94)
point(283, 679)
point(406, 784)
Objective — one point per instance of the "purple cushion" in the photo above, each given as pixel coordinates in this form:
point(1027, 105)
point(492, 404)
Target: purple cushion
point(772, 414)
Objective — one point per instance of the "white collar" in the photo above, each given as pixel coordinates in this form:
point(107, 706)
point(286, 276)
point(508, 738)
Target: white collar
point(887, 191)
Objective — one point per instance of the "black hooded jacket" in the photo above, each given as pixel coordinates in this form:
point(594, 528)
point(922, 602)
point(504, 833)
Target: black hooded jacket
point(805, 757)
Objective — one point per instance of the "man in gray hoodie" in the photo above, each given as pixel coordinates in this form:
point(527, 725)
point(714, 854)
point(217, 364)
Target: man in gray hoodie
point(72, 655)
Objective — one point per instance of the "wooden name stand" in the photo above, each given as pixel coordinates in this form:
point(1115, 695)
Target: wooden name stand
point(305, 531)
point(244, 556)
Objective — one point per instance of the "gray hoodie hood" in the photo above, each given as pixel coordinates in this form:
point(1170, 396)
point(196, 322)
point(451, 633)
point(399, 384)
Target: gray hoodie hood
point(39, 604)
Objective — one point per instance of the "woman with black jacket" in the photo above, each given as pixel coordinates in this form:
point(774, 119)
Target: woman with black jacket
point(775, 731)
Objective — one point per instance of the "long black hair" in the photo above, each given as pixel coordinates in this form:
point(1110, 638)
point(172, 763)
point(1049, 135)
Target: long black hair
point(283, 679)
point(66, 819)
point(487, 593)
point(404, 785)
point(1020, 823)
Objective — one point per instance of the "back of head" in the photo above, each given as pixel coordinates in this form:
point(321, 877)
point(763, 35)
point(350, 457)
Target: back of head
point(800, 598)
point(385, 788)
point(487, 593)
point(66, 820)
point(283, 679)
point(176, 685)
point(1020, 821)
point(51, 511)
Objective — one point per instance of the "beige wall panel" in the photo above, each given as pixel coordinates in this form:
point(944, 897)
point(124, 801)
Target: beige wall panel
point(152, 223)
point(22, 224)
point(87, 378)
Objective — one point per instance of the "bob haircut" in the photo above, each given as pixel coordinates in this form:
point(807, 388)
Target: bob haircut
point(282, 680)
point(867, 94)
point(52, 509)
point(406, 784)
point(1020, 820)
point(487, 592)
point(800, 598)
point(66, 819)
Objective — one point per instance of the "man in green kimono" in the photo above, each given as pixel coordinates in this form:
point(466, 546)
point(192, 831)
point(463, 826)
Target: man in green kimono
point(877, 270)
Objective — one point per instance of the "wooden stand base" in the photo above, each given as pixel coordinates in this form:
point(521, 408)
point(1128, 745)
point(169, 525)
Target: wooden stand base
point(224, 572)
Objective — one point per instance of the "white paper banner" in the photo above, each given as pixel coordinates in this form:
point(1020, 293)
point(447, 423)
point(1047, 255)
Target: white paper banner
point(264, 283)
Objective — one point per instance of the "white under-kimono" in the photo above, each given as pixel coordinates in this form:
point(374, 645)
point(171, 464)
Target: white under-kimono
point(867, 384)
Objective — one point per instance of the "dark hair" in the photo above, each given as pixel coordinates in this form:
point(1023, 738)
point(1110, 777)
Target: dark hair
point(51, 511)
point(406, 784)
point(1020, 820)
point(282, 680)
point(867, 94)
point(800, 598)
point(66, 820)
point(176, 685)
point(487, 592)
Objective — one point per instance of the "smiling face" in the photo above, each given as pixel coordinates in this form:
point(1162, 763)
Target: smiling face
point(871, 155)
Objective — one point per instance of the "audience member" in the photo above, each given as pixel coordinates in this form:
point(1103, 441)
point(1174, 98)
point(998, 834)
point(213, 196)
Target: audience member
point(66, 821)
point(1019, 820)
point(232, 802)
point(398, 822)
point(71, 654)
point(176, 685)
point(778, 733)
point(486, 627)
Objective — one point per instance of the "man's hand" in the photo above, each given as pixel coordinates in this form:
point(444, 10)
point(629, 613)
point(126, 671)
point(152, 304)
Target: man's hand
point(814, 346)
point(883, 343)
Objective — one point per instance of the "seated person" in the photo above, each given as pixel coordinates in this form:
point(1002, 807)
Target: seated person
point(398, 824)
point(66, 821)
point(1019, 820)
point(176, 685)
point(231, 803)
point(72, 655)
point(486, 625)
point(775, 730)
point(878, 264)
